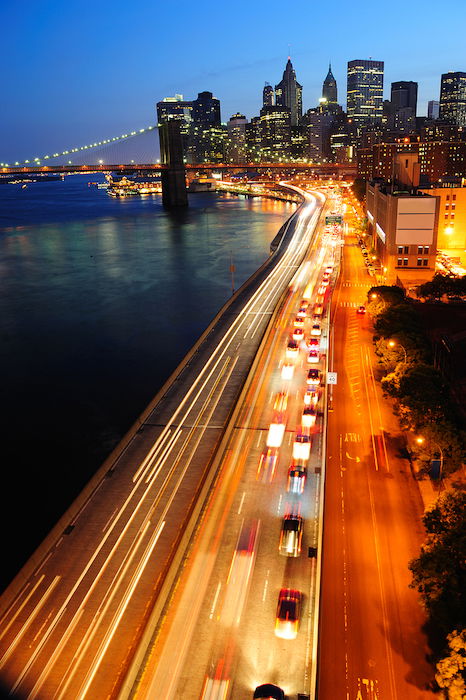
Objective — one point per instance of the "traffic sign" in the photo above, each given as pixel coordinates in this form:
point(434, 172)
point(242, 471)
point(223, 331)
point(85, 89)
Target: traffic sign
point(333, 219)
point(331, 377)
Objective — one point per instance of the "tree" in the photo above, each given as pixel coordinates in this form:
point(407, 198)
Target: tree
point(359, 188)
point(383, 296)
point(439, 573)
point(451, 670)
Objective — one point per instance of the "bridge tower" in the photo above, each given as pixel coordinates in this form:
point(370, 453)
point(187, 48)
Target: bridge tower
point(174, 193)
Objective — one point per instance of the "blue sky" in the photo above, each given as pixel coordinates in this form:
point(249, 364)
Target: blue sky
point(75, 72)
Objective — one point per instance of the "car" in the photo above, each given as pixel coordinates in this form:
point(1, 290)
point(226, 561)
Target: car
point(288, 613)
point(275, 434)
point(324, 282)
point(302, 313)
point(318, 309)
point(308, 419)
point(361, 310)
point(329, 269)
point(296, 479)
point(313, 377)
point(291, 535)
point(287, 371)
point(267, 465)
point(313, 356)
point(292, 349)
point(304, 304)
point(268, 691)
point(322, 289)
point(320, 299)
point(315, 330)
point(298, 334)
point(280, 402)
point(298, 322)
point(302, 447)
point(311, 397)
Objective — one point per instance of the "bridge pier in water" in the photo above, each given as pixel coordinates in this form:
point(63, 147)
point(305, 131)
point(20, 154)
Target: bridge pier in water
point(174, 193)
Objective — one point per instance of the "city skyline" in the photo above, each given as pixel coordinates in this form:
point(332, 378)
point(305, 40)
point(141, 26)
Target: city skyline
point(59, 94)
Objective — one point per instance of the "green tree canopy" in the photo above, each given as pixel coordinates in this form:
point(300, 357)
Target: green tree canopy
point(439, 573)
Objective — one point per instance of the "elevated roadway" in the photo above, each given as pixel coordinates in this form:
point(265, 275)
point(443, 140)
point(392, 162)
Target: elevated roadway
point(73, 618)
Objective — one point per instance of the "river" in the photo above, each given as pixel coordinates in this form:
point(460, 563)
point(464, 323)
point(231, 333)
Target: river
point(100, 300)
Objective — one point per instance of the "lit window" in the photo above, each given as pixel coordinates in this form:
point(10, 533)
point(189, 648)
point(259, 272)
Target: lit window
point(399, 262)
point(424, 262)
point(405, 262)
point(419, 262)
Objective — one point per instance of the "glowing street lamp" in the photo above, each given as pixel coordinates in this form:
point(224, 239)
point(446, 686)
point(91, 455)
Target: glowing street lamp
point(393, 344)
point(420, 441)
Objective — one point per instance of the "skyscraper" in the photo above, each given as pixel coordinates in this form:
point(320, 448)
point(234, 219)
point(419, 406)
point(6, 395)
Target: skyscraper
point(453, 98)
point(235, 150)
point(404, 94)
point(275, 133)
point(329, 88)
point(289, 93)
point(404, 105)
point(433, 109)
point(268, 96)
point(365, 92)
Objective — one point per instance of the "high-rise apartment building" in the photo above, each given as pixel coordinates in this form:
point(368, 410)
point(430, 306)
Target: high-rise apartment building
point(329, 88)
point(206, 110)
point(289, 93)
point(433, 109)
point(268, 95)
point(453, 98)
point(365, 92)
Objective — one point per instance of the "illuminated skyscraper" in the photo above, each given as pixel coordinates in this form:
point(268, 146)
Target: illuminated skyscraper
point(453, 98)
point(268, 96)
point(235, 149)
point(433, 109)
point(289, 93)
point(275, 133)
point(365, 92)
point(329, 88)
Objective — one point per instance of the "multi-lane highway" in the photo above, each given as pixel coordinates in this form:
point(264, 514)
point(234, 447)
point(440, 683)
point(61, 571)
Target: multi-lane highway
point(219, 637)
point(372, 646)
point(72, 621)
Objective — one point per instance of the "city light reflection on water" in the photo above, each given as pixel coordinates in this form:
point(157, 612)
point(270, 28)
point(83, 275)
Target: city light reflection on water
point(101, 299)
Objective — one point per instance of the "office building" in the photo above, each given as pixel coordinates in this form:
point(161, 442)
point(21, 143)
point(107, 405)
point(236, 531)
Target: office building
point(319, 124)
point(365, 92)
point(268, 96)
point(206, 134)
point(404, 105)
point(440, 159)
point(235, 147)
point(289, 93)
point(433, 109)
point(403, 229)
point(175, 108)
point(451, 229)
point(275, 133)
point(453, 98)
point(329, 87)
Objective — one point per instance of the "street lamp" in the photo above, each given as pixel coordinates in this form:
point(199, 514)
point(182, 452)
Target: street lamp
point(420, 440)
point(393, 344)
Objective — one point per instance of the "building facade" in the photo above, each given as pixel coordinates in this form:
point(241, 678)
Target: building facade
point(453, 98)
point(451, 229)
point(329, 88)
point(275, 134)
point(289, 93)
point(268, 95)
point(403, 229)
point(235, 147)
point(433, 109)
point(365, 92)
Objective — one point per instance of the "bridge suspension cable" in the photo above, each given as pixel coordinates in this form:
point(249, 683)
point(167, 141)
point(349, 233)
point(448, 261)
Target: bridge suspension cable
point(80, 149)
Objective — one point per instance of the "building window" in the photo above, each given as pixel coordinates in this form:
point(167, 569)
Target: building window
point(419, 262)
point(425, 262)
point(406, 249)
point(400, 250)
point(419, 250)
point(405, 262)
point(448, 197)
point(454, 196)
point(399, 262)
point(446, 216)
point(426, 250)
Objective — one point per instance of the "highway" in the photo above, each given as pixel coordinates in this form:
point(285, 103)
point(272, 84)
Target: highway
point(218, 638)
point(71, 622)
point(372, 646)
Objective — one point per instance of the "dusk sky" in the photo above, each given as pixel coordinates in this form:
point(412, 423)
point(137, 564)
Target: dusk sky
point(76, 72)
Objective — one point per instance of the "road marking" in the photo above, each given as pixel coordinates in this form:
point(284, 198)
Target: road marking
point(266, 586)
point(241, 504)
point(214, 602)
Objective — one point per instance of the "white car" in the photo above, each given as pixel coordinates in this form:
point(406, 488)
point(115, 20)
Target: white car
point(298, 334)
point(275, 435)
point(302, 447)
point(313, 357)
point(308, 418)
point(315, 330)
point(287, 371)
point(311, 397)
